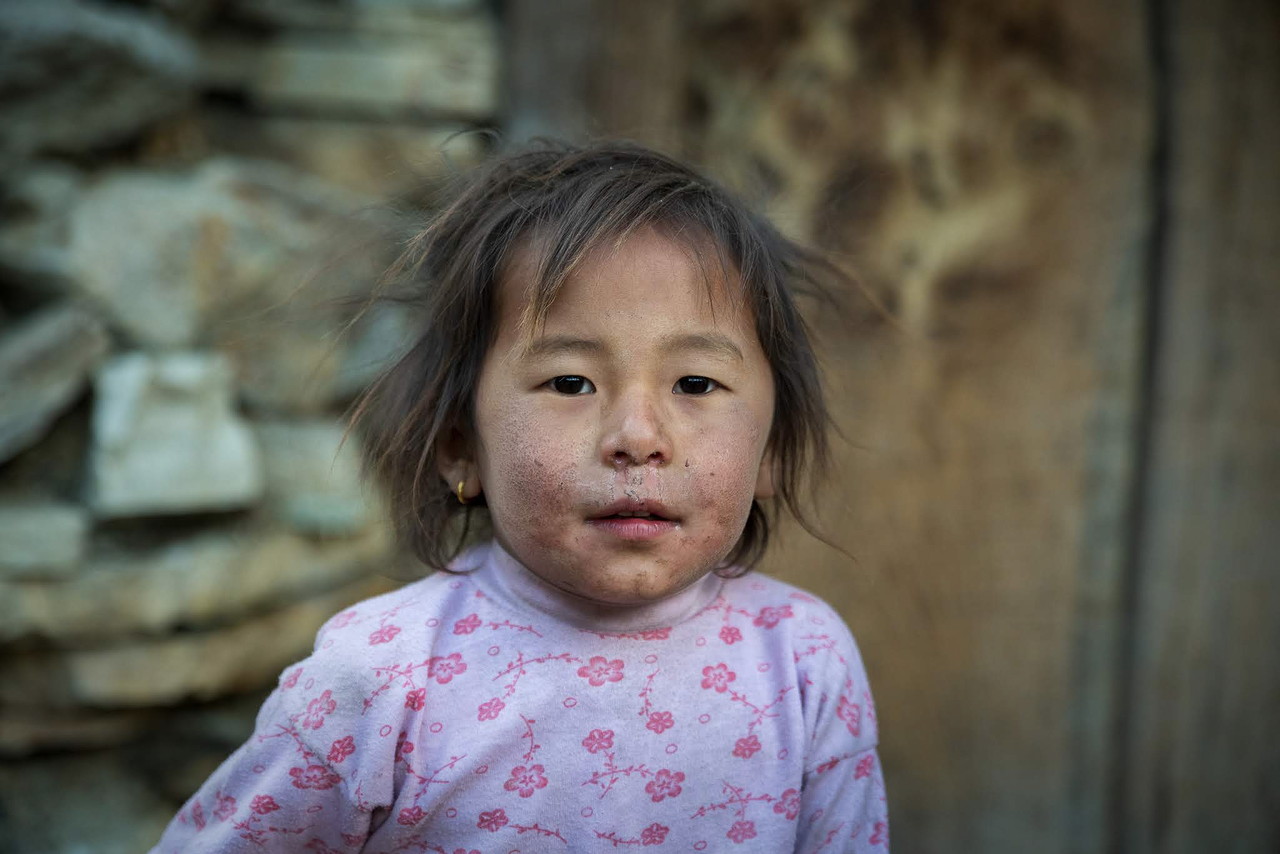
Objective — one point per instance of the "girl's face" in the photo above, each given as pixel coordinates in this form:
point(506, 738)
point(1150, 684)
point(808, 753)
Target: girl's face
point(620, 448)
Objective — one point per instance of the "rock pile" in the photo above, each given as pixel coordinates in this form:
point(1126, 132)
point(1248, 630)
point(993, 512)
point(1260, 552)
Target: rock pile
point(194, 215)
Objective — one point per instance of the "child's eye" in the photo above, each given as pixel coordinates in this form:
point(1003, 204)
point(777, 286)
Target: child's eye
point(695, 385)
point(572, 385)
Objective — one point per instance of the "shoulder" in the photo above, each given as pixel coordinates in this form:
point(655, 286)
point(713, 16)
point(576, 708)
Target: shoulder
point(772, 603)
point(821, 649)
point(358, 647)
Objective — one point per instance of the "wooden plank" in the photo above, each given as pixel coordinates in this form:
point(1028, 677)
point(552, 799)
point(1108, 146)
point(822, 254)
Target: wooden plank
point(591, 68)
point(1204, 758)
point(983, 167)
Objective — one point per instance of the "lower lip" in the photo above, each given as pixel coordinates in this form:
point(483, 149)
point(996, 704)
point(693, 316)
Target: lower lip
point(633, 528)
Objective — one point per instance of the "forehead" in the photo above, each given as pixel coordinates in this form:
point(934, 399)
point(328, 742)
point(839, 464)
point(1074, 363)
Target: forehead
point(640, 279)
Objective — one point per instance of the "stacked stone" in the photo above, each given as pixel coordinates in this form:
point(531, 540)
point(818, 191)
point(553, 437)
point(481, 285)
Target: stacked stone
point(195, 219)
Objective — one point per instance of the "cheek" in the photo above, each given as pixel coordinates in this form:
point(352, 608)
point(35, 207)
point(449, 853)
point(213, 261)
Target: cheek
point(723, 474)
point(527, 468)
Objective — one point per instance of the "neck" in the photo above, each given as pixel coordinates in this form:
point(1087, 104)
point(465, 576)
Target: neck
point(511, 580)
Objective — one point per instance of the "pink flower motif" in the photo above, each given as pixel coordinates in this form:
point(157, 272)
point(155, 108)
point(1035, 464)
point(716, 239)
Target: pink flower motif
point(526, 780)
point(292, 680)
point(467, 624)
point(770, 617)
point(342, 620)
point(598, 740)
point(880, 835)
point(656, 634)
point(226, 807)
point(383, 634)
point(718, 677)
point(654, 834)
point(747, 747)
point(197, 815)
point(492, 821)
point(599, 670)
point(788, 804)
point(665, 784)
point(341, 749)
point(864, 767)
point(410, 816)
point(660, 722)
point(489, 710)
point(444, 668)
point(403, 746)
point(851, 714)
point(263, 804)
point(317, 709)
point(742, 831)
point(416, 699)
point(313, 777)
point(730, 634)
point(318, 846)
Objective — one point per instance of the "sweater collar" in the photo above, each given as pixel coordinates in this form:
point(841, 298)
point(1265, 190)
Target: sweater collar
point(499, 574)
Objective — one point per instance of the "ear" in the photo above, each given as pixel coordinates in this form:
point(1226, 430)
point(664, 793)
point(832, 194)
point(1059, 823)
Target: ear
point(764, 479)
point(456, 463)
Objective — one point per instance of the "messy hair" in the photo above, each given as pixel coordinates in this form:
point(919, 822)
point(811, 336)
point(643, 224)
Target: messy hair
point(564, 201)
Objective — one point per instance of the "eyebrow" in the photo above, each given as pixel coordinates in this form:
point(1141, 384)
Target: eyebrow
point(557, 345)
point(707, 342)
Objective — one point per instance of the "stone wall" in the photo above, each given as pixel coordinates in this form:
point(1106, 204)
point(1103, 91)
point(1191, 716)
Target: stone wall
point(195, 214)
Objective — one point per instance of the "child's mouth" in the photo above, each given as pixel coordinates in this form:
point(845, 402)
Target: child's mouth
point(632, 527)
point(633, 522)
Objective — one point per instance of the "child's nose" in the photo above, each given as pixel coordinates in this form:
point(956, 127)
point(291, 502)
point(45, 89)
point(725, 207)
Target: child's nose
point(637, 436)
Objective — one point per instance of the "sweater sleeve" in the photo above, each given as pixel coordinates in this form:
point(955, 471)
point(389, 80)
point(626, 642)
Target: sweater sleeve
point(842, 802)
point(295, 784)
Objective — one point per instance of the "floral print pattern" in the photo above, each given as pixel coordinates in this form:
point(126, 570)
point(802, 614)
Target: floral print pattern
point(462, 715)
point(526, 781)
point(665, 784)
point(599, 670)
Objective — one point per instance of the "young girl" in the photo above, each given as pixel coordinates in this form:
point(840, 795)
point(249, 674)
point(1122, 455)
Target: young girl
point(612, 373)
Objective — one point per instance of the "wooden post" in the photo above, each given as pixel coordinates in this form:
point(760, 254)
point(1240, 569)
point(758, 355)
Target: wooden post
point(983, 169)
point(590, 68)
point(1203, 753)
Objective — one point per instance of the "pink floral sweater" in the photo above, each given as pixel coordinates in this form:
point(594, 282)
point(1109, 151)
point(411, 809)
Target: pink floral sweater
point(487, 712)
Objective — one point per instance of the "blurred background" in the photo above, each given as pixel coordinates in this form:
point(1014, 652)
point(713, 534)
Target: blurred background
point(1059, 389)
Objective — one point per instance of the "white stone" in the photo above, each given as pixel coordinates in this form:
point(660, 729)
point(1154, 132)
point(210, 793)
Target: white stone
point(166, 440)
point(55, 59)
point(33, 233)
point(313, 476)
point(42, 540)
point(259, 261)
point(212, 579)
point(45, 362)
point(383, 159)
point(193, 665)
point(448, 69)
point(387, 16)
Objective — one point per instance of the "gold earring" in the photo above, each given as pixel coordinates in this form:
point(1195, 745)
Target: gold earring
point(461, 484)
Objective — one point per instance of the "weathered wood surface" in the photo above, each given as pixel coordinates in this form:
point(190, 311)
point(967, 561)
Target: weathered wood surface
point(983, 166)
point(1203, 752)
point(591, 68)
point(1062, 468)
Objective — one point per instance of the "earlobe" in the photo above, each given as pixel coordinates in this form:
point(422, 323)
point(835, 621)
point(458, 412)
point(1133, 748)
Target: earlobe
point(765, 477)
point(458, 470)
point(462, 478)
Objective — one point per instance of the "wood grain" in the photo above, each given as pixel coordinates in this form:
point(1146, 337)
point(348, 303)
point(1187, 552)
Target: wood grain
point(982, 167)
point(1202, 747)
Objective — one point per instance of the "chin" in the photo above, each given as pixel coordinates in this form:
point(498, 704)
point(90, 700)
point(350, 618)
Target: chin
point(625, 588)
